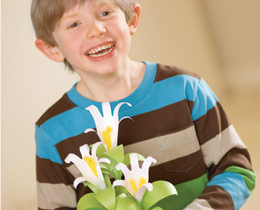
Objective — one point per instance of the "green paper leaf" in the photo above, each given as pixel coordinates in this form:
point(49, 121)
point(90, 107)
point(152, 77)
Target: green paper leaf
point(107, 198)
point(92, 187)
point(100, 150)
point(161, 189)
point(116, 153)
point(89, 201)
point(126, 203)
point(120, 190)
point(157, 208)
point(127, 158)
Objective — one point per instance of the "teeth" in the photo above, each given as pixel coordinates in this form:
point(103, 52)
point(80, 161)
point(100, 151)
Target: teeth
point(98, 51)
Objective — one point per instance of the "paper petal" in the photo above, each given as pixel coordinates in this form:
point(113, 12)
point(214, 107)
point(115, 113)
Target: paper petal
point(77, 181)
point(84, 150)
point(107, 113)
point(89, 130)
point(116, 110)
point(123, 168)
point(147, 163)
point(134, 162)
point(94, 149)
point(140, 192)
point(127, 158)
point(72, 158)
point(119, 183)
point(104, 160)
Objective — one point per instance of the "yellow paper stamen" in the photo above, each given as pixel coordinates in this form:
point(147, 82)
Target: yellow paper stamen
point(133, 185)
point(107, 137)
point(92, 164)
point(142, 181)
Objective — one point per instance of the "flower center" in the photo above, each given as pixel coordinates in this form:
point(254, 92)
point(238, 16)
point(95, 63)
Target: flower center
point(107, 137)
point(91, 164)
point(142, 181)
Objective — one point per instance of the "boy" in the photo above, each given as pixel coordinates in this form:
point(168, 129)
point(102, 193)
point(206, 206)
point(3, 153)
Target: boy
point(176, 118)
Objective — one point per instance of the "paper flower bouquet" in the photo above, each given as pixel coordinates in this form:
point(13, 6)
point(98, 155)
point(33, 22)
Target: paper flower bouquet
point(115, 178)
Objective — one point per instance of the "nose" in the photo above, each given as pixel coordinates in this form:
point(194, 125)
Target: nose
point(96, 29)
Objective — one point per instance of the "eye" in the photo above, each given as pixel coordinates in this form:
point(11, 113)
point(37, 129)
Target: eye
point(106, 13)
point(74, 25)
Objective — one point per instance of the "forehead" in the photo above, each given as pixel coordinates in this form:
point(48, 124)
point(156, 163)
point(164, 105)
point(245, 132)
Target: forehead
point(67, 5)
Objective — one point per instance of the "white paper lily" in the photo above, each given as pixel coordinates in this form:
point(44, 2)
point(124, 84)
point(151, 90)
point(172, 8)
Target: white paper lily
point(89, 166)
point(137, 180)
point(106, 125)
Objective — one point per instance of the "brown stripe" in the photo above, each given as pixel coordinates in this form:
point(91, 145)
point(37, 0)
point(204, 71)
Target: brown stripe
point(160, 122)
point(50, 172)
point(191, 105)
point(211, 124)
point(217, 197)
point(179, 170)
point(166, 120)
point(72, 144)
point(235, 157)
point(62, 105)
point(81, 191)
point(164, 72)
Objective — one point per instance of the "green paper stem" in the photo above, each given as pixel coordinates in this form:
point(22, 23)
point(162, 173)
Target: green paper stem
point(107, 180)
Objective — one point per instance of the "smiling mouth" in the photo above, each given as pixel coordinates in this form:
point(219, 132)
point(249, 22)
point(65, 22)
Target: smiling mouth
point(101, 50)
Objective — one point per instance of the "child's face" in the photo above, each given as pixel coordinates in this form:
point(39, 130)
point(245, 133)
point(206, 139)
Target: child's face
point(94, 37)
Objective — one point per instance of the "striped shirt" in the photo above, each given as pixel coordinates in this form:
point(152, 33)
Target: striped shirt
point(176, 119)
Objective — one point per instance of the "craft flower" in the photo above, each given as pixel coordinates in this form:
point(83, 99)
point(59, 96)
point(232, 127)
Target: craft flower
point(89, 166)
point(136, 180)
point(106, 125)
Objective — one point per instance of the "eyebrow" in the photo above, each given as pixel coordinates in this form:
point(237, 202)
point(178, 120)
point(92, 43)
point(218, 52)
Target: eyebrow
point(74, 14)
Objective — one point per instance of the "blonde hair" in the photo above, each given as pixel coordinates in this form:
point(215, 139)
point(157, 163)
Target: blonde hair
point(46, 13)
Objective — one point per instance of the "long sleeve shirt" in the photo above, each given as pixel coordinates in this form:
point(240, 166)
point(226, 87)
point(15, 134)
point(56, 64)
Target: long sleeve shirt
point(175, 118)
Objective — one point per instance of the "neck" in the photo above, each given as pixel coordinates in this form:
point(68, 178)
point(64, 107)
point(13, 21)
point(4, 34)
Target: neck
point(112, 87)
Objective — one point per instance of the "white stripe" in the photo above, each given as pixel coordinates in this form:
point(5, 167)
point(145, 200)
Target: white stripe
point(51, 196)
point(74, 171)
point(199, 204)
point(168, 147)
point(217, 147)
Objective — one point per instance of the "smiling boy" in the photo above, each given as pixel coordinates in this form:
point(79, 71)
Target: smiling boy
point(96, 44)
point(176, 118)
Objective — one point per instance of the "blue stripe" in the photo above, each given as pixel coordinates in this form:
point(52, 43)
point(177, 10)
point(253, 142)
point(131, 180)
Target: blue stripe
point(235, 185)
point(75, 121)
point(205, 100)
point(166, 92)
point(44, 148)
point(68, 124)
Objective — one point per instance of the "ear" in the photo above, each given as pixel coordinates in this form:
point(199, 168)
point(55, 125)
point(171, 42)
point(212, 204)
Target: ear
point(133, 24)
point(51, 52)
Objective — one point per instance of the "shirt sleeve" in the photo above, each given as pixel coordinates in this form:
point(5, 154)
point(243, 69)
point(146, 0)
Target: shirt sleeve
point(54, 185)
point(231, 178)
